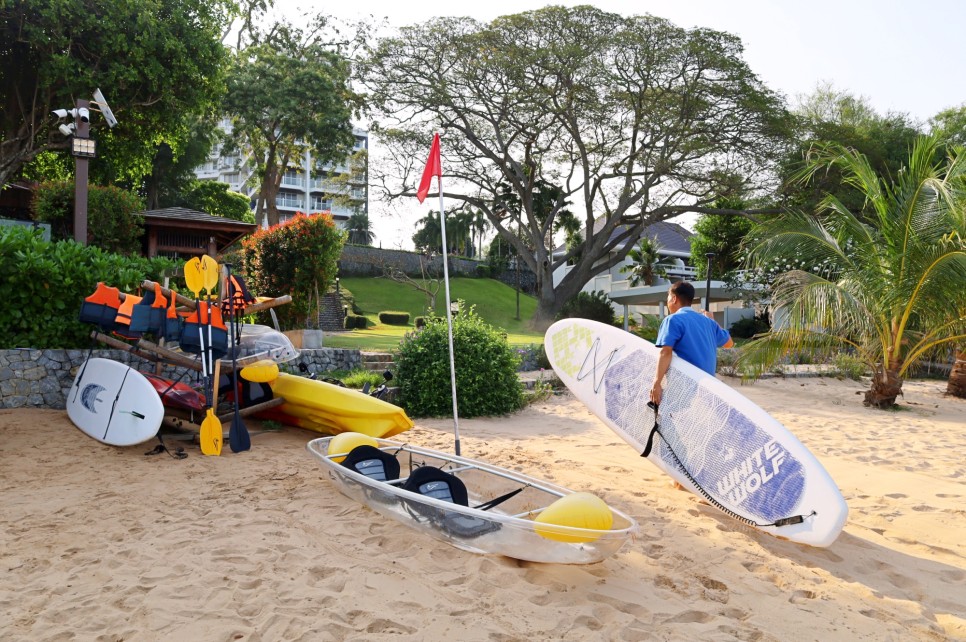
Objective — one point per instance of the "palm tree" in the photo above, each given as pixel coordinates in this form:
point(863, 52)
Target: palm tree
point(360, 229)
point(645, 257)
point(885, 283)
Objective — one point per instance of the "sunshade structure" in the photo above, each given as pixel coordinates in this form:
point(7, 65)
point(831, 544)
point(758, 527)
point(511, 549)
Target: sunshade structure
point(179, 232)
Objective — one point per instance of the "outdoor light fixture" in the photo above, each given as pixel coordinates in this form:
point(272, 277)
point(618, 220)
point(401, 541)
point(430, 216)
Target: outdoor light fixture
point(336, 284)
point(83, 147)
point(345, 311)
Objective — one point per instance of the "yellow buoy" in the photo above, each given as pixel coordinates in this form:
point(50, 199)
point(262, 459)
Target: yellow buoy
point(346, 441)
point(579, 510)
point(261, 371)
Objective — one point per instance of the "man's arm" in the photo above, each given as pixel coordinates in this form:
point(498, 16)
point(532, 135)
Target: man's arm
point(663, 363)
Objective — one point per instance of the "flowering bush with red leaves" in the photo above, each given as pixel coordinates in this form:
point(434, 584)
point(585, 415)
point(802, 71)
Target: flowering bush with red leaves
point(299, 258)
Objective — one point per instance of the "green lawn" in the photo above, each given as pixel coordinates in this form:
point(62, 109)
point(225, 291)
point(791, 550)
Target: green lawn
point(495, 302)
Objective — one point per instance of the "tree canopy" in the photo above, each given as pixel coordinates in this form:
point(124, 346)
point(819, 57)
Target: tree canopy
point(632, 119)
point(155, 62)
point(289, 92)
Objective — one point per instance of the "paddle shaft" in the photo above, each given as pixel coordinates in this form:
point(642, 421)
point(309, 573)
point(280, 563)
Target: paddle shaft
point(238, 437)
point(707, 285)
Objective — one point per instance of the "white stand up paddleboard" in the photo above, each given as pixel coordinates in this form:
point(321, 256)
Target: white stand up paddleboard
point(114, 403)
point(712, 440)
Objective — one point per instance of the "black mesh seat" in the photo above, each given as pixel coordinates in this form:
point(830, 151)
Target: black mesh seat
point(374, 463)
point(438, 484)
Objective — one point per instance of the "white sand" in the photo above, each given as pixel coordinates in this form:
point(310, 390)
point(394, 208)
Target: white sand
point(104, 543)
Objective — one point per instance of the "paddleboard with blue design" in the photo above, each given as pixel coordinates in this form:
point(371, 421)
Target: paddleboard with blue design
point(114, 403)
point(711, 439)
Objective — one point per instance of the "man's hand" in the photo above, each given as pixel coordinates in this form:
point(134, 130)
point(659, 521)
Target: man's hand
point(656, 393)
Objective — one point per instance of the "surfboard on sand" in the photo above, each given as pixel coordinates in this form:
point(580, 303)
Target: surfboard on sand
point(114, 403)
point(711, 439)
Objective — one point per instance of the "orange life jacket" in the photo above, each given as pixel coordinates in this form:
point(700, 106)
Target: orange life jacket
point(101, 307)
point(194, 334)
point(240, 298)
point(150, 313)
point(123, 318)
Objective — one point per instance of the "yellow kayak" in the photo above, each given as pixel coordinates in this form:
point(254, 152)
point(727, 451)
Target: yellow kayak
point(330, 409)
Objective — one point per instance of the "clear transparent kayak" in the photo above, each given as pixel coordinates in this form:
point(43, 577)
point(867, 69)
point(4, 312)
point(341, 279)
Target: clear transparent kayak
point(508, 528)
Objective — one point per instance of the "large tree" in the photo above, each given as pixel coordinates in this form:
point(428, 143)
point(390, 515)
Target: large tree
point(289, 92)
point(155, 62)
point(831, 115)
point(634, 119)
point(885, 282)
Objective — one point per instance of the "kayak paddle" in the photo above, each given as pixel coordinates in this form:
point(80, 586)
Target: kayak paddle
point(211, 429)
point(238, 438)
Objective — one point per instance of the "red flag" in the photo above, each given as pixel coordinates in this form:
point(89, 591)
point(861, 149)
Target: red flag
point(433, 168)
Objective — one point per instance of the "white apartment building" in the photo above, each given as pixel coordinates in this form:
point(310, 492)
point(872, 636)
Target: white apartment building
point(306, 186)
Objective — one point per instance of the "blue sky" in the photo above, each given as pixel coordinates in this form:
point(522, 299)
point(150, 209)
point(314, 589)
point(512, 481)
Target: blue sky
point(904, 56)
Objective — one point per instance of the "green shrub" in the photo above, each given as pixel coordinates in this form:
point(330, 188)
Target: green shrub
point(586, 305)
point(394, 317)
point(298, 257)
point(355, 321)
point(419, 322)
point(113, 222)
point(483, 271)
point(748, 327)
point(650, 323)
point(849, 367)
point(357, 378)
point(44, 283)
point(486, 366)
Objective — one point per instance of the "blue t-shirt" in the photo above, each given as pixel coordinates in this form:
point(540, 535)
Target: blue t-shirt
point(693, 337)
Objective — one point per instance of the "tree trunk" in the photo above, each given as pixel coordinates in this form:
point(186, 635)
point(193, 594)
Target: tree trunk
point(957, 378)
point(886, 386)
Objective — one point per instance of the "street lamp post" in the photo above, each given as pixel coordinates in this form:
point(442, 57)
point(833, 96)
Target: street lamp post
point(82, 132)
point(82, 148)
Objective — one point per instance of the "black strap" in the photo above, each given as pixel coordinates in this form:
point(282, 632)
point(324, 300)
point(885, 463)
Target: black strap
point(499, 500)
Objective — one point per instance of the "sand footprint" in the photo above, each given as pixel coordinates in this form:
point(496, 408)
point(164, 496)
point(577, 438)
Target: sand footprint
point(714, 590)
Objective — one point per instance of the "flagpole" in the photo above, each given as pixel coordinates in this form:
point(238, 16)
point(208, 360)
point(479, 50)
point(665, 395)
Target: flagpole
point(449, 315)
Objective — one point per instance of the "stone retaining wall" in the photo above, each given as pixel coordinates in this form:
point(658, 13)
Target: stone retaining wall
point(31, 378)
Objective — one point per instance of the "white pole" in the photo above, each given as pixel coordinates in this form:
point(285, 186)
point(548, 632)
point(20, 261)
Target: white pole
point(449, 316)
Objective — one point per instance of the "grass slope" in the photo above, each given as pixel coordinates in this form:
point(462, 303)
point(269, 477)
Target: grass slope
point(495, 302)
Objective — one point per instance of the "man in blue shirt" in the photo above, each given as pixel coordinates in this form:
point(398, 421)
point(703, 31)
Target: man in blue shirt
point(694, 336)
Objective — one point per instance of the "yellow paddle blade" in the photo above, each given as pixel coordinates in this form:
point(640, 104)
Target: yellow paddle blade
point(210, 272)
point(211, 434)
point(193, 276)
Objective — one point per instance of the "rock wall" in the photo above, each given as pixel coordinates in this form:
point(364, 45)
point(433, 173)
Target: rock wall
point(42, 378)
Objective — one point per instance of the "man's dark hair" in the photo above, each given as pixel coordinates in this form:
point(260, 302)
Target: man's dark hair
point(683, 291)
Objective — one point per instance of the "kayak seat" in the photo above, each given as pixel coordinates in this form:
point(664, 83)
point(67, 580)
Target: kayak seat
point(433, 482)
point(438, 484)
point(374, 463)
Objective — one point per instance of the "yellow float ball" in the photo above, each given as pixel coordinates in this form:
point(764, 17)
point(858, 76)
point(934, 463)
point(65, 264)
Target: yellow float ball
point(346, 441)
point(261, 371)
point(579, 510)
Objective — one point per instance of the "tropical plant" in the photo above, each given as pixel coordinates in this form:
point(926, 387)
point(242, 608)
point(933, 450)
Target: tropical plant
point(885, 282)
point(360, 229)
point(298, 258)
point(644, 267)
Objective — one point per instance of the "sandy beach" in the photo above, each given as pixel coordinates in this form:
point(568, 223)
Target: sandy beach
point(105, 543)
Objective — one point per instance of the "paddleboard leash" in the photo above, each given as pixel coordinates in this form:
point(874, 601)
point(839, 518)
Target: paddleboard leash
point(785, 521)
